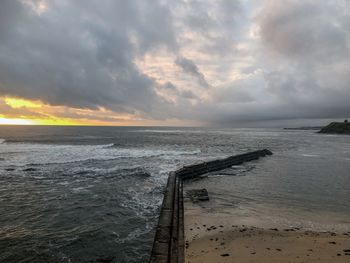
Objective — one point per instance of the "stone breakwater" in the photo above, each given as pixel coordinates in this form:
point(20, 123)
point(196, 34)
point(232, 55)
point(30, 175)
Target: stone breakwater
point(169, 239)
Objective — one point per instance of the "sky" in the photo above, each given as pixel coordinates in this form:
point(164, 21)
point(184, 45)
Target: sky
point(234, 63)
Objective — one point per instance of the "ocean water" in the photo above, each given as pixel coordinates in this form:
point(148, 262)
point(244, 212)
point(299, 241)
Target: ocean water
point(73, 194)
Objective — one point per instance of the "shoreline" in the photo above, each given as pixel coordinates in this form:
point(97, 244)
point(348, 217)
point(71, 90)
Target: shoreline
point(233, 243)
point(219, 232)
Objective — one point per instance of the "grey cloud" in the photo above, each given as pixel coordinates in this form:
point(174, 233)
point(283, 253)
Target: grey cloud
point(304, 56)
point(180, 94)
point(219, 22)
point(279, 96)
point(189, 67)
point(188, 94)
point(308, 28)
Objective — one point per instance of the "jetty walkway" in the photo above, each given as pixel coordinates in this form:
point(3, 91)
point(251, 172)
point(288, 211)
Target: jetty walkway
point(169, 241)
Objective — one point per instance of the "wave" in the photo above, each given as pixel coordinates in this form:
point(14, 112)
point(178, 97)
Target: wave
point(69, 162)
point(170, 131)
point(45, 154)
point(2, 141)
point(310, 155)
point(109, 145)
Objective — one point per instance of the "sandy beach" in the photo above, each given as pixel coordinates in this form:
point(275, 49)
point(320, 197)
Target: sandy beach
point(226, 234)
point(219, 243)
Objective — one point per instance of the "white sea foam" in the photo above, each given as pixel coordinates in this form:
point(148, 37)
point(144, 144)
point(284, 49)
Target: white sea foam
point(310, 155)
point(20, 154)
point(2, 141)
point(79, 189)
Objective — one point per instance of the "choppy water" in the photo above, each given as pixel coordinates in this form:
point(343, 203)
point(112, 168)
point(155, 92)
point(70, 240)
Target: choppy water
point(72, 194)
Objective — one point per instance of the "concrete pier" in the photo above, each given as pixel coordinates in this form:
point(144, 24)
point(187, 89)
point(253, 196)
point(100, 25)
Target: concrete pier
point(169, 241)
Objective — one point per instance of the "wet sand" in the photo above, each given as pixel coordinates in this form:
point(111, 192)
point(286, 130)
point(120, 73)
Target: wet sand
point(215, 234)
point(219, 243)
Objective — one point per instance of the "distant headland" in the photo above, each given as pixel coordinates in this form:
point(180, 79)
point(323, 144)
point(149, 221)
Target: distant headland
point(332, 128)
point(337, 128)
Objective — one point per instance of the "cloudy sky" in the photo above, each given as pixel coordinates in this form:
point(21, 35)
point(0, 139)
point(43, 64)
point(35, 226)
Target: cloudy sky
point(174, 62)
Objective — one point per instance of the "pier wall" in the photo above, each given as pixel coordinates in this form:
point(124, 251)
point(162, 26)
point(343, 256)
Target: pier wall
point(169, 241)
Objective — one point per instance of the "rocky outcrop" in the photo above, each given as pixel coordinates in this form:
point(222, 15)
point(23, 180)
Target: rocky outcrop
point(337, 128)
point(198, 195)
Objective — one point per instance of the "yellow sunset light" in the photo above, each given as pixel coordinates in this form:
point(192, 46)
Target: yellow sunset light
point(6, 121)
point(54, 122)
point(19, 103)
point(19, 111)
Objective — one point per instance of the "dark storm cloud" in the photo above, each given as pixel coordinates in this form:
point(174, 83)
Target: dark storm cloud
point(255, 60)
point(10, 12)
point(81, 53)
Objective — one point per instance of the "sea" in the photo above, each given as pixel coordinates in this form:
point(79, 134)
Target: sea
point(76, 194)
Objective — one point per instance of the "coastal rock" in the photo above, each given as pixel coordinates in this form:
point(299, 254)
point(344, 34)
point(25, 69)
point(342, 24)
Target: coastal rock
point(197, 195)
point(138, 171)
point(143, 174)
point(337, 128)
point(29, 170)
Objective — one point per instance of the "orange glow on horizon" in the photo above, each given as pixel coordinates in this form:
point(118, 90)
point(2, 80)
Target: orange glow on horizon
point(38, 108)
point(19, 111)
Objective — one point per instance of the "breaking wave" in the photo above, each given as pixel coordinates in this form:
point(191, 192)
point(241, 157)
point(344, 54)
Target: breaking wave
point(20, 154)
